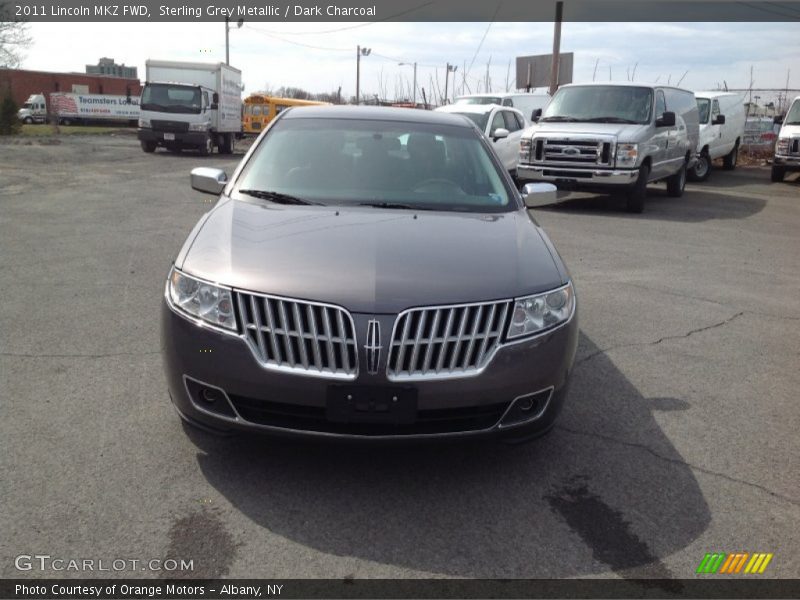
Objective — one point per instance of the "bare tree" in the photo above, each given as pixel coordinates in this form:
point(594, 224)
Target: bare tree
point(14, 37)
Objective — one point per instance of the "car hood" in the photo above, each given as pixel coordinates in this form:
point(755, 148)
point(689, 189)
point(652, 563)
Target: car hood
point(624, 132)
point(371, 260)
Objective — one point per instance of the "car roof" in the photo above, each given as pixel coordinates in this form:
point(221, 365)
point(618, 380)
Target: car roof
point(375, 113)
point(717, 94)
point(624, 84)
point(502, 95)
point(470, 108)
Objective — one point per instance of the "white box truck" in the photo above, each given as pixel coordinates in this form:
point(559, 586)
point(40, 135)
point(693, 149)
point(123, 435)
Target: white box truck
point(189, 105)
point(722, 121)
point(79, 108)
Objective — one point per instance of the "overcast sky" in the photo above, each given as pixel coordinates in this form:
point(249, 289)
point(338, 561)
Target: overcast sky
point(312, 56)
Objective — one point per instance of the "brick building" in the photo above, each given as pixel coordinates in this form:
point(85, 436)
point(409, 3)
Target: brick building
point(23, 83)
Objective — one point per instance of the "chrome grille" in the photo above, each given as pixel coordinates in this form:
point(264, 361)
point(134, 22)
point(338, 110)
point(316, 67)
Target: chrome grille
point(296, 335)
point(446, 340)
point(570, 152)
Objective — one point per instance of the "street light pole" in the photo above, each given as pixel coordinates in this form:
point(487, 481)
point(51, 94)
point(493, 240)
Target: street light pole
point(415, 80)
point(359, 53)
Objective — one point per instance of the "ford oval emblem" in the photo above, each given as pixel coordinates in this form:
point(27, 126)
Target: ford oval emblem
point(569, 151)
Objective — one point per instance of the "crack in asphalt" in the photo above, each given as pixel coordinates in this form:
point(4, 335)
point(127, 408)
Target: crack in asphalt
point(659, 340)
point(608, 438)
point(73, 355)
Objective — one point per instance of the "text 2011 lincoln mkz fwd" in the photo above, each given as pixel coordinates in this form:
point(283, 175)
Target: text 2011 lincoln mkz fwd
point(369, 273)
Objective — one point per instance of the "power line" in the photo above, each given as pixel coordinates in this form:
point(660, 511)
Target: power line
point(485, 33)
point(282, 39)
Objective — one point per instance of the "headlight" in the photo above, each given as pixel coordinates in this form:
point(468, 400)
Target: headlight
point(199, 126)
point(627, 155)
point(533, 314)
point(144, 123)
point(206, 301)
point(524, 149)
point(782, 146)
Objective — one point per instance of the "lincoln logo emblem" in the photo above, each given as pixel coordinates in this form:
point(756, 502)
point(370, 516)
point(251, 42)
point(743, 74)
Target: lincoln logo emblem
point(373, 346)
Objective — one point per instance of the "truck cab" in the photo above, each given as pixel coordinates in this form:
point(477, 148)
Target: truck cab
point(787, 148)
point(34, 110)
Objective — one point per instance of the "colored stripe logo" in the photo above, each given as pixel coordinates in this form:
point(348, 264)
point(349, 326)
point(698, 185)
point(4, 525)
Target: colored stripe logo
point(734, 563)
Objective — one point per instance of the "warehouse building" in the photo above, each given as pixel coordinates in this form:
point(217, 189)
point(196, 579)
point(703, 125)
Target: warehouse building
point(22, 83)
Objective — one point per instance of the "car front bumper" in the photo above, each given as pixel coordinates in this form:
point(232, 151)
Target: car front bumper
point(788, 162)
point(249, 397)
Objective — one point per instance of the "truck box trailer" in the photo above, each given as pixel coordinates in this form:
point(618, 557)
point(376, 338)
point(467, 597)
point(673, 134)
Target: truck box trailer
point(79, 108)
point(190, 105)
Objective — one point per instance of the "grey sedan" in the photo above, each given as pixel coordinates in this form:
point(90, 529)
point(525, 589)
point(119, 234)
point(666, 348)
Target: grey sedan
point(369, 274)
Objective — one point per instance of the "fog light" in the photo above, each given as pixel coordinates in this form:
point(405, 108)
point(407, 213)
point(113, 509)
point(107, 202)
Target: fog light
point(527, 408)
point(525, 404)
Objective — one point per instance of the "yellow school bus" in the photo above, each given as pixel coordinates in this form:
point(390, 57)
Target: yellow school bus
point(258, 110)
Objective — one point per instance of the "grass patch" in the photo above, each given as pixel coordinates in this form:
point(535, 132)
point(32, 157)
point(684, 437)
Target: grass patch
point(44, 130)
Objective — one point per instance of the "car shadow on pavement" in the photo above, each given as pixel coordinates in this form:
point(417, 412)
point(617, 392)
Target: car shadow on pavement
point(605, 490)
point(694, 206)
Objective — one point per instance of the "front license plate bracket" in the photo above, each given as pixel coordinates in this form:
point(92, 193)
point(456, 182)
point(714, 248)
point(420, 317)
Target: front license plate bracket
point(371, 404)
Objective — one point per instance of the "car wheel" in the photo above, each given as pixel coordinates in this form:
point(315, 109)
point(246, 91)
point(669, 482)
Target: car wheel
point(676, 183)
point(701, 169)
point(777, 174)
point(207, 148)
point(730, 160)
point(148, 146)
point(638, 192)
point(27, 120)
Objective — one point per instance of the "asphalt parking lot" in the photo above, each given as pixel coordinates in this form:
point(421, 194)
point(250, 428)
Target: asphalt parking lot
point(679, 436)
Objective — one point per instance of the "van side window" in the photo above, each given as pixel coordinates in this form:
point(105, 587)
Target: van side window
point(714, 108)
point(661, 104)
point(508, 102)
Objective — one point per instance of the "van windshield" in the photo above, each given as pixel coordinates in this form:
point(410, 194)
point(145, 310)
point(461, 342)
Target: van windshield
point(793, 116)
point(704, 108)
point(601, 104)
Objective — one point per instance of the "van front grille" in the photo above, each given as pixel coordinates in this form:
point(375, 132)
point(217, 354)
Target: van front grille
point(572, 152)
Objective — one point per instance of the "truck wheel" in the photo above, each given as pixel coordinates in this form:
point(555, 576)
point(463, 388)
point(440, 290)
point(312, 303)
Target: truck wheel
point(778, 173)
point(638, 192)
point(207, 148)
point(701, 169)
point(676, 183)
point(729, 160)
point(27, 120)
point(148, 146)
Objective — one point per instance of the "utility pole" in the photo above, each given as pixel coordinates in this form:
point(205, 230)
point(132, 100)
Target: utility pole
point(556, 47)
point(359, 53)
point(414, 93)
point(239, 24)
point(446, 78)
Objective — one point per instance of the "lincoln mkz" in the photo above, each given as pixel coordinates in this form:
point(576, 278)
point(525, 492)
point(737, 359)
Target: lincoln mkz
point(369, 273)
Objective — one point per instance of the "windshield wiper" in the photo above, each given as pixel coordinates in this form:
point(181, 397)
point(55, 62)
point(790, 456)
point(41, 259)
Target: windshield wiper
point(609, 120)
point(277, 197)
point(394, 205)
point(559, 118)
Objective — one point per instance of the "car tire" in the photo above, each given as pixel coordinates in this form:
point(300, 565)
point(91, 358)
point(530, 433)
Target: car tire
point(207, 148)
point(702, 168)
point(677, 182)
point(638, 193)
point(777, 174)
point(729, 160)
point(148, 147)
point(27, 120)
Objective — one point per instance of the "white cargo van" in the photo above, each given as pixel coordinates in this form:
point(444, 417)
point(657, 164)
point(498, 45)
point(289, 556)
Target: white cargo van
point(787, 149)
point(528, 104)
point(722, 121)
point(190, 105)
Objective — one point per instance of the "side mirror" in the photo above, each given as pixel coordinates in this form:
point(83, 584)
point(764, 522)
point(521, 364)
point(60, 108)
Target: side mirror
point(539, 194)
point(536, 115)
point(719, 120)
point(666, 120)
point(208, 180)
point(500, 133)
point(778, 120)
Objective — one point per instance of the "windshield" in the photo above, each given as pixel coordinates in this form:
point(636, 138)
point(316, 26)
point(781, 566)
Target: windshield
point(479, 119)
point(601, 103)
point(704, 108)
point(174, 98)
point(793, 116)
point(385, 164)
point(479, 100)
